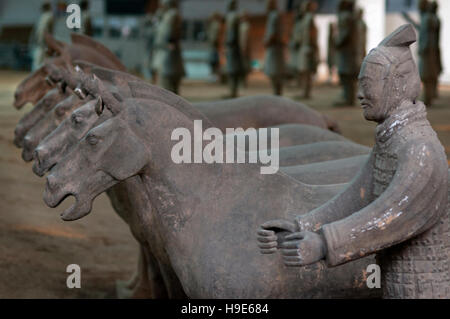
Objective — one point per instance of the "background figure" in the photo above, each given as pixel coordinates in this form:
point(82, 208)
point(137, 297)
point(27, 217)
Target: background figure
point(234, 67)
point(44, 24)
point(148, 28)
point(274, 60)
point(157, 45)
point(362, 36)
point(436, 46)
point(244, 38)
point(429, 52)
point(172, 68)
point(294, 43)
point(86, 21)
point(309, 50)
point(347, 51)
point(331, 54)
point(213, 34)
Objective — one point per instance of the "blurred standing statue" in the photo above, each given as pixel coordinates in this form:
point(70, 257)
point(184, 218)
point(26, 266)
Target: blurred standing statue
point(397, 205)
point(309, 50)
point(171, 70)
point(244, 37)
point(436, 25)
point(331, 54)
point(347, 51)
point(430, 66)
point(44, 24)
point(157, 50)
point(273, 41)
point(294, 43)
point(234, 63)
point(362, 35)
point(148, 34)
point(213, 34)
point(86, 21)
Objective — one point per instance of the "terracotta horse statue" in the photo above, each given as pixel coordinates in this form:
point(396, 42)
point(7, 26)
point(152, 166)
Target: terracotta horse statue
point(197, 223)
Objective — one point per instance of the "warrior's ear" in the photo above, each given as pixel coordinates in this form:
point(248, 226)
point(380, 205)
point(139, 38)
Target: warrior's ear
point(404, 36)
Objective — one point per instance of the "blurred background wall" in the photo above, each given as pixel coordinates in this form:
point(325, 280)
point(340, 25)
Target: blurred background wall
point(120, 25)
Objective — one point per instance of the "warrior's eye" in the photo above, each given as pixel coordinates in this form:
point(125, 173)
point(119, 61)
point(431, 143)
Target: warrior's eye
point(92, 139)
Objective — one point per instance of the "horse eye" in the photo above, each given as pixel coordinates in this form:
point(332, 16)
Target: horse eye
point(92, 140)
point(76, 119)
point(60, 112)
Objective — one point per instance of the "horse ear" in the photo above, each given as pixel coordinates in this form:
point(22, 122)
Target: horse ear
point(110, 100)
point(99, 106)
point(53, 44)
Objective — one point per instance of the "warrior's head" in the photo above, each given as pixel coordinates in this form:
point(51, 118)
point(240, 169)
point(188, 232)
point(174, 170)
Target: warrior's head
point(434, 7)
point(271, 5)
point(310, 6)
point(168, 4)
point(232, 5)
point(46, 6)
point(346, 5)
point(389, 75)
point(423, 5)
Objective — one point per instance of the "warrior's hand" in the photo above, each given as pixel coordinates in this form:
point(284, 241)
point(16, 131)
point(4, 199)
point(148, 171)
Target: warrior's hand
point(272, 233)
point(303, 248)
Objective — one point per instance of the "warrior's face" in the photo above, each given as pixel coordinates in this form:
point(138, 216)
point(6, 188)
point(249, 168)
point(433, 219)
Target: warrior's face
point(371, 91)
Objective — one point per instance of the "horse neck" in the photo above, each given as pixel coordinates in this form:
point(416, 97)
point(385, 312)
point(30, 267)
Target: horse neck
point(176, 190)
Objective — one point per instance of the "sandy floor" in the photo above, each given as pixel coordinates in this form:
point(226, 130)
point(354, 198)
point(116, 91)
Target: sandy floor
point(36, 246)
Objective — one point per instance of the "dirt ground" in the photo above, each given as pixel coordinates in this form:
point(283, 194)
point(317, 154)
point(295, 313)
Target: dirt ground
point(36, 245)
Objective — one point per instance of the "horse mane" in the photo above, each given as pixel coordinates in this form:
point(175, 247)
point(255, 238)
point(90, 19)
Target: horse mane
point(143, 90)
point(113, 76)
point(84, 40)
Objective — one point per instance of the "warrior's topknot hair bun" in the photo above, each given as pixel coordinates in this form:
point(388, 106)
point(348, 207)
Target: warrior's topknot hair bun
point(404, 36)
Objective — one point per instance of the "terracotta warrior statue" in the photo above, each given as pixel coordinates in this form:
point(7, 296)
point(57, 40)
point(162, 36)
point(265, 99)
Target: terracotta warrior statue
point(273, 42)
point(397, 205)
point(234, 65)
point(308, 54)
point(245, 45)
point(44, 25)
point(362, 35)
point(430, 65)
point(171, 70)
point(213, 35)
point(294, 43)
point(347, 52)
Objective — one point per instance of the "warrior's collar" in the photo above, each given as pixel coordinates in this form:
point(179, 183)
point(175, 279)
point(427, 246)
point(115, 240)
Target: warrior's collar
point(404, 115)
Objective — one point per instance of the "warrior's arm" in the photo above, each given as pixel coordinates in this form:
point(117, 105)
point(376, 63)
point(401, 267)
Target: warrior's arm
point(408, 18)
point(353, 198)
point(413, 202)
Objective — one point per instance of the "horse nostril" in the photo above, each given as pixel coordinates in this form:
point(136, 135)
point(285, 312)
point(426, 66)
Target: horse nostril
point(27, 141)
point(17, 130)
point(51, 182)
point(37, 155)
